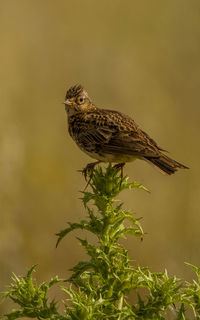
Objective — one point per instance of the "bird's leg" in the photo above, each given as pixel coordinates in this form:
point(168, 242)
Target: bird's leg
point(121, 166)
point(89, 170)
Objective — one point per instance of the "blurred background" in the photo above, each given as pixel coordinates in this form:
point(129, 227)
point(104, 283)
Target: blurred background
point(138, 57)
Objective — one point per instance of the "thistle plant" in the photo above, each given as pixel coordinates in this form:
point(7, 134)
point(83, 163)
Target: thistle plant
point(99, 287)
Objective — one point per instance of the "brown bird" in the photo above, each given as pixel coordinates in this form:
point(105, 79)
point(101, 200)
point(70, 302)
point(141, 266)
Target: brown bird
point(111, 136)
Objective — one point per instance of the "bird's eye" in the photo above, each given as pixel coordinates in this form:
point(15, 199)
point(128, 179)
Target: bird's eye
point(81, 100)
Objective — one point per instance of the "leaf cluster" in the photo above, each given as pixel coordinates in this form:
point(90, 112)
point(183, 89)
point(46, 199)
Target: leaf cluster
point(31, 298)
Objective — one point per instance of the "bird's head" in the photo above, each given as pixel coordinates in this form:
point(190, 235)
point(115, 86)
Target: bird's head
point(77, 100)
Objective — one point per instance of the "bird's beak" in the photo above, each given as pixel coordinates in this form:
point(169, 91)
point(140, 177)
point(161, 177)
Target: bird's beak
point(67, 101)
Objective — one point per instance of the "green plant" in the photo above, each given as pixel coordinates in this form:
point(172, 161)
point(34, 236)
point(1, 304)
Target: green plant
point(99, 287)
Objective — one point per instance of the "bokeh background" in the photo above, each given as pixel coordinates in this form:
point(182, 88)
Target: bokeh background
point(139, 57)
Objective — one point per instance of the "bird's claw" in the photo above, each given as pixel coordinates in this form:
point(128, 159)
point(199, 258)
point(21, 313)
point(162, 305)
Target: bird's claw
point(88, 171)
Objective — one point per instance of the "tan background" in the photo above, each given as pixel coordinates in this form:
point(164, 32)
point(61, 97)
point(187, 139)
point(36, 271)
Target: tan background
point(139, 57)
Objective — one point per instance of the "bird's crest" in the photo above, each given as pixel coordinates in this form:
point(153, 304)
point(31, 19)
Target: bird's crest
point(74, 91)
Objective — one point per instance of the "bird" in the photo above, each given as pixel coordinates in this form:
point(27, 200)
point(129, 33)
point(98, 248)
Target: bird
point(111, 136)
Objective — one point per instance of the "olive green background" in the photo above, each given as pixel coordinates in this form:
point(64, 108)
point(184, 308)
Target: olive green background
point(138, 57)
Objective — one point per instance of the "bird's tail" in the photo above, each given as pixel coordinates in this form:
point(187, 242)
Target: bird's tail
point(165, 164)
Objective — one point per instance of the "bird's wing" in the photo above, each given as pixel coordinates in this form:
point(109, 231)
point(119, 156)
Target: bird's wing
point(115, 133)
point(153, 141)
point(131, 144)
point(91, 139)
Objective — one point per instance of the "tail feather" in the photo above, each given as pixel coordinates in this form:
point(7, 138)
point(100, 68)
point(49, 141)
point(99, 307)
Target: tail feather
point(166, 165)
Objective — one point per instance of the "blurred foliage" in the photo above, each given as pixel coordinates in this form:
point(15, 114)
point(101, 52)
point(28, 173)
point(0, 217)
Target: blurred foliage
point(141, 58)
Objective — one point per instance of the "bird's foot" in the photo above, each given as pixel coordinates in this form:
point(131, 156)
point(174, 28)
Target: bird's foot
point(88, 171)
point(120, 166)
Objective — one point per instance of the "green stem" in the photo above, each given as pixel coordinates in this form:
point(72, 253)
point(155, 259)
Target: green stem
point(120, 305)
